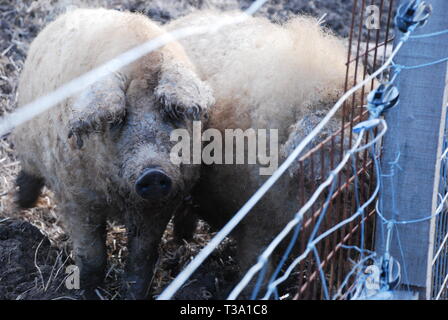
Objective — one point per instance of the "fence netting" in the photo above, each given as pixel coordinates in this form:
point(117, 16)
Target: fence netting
point(439, 263)
point(331, 239)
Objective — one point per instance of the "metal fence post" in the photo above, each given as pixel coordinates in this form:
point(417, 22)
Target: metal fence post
point(415, 137)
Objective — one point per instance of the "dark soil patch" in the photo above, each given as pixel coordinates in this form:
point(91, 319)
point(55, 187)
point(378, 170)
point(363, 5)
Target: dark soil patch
point(213, 279)
point(30, 268)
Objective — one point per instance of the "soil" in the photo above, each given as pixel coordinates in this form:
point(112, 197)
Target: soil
point(30, 267)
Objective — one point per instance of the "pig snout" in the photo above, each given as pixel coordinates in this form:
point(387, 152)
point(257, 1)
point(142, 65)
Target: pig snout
point(153, 184)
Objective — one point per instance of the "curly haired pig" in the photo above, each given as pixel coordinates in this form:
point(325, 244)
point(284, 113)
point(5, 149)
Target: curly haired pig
point(105, 152)
point(264, 76)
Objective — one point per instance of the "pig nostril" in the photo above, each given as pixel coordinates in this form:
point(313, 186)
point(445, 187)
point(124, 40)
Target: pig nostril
point(153, 184)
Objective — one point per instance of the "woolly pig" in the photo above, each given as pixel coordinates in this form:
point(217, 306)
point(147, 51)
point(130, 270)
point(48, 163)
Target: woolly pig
point(105, 151)
point(264, 76)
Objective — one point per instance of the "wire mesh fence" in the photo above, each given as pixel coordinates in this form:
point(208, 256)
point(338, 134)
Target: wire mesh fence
point(336, 226)
point(439, 263)
point(367, 49)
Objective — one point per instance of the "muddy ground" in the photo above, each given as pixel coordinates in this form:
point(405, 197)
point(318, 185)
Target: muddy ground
point(34, 250)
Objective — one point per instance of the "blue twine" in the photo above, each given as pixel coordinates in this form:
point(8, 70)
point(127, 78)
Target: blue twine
point(393, 222)
point(285, 257)
point(321, 273)
point(428, 35)
point(424, 65)
point(259, 283)
point(405, 273)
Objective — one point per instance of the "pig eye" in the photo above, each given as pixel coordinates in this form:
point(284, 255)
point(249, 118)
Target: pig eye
point(163, 184)
point(114, 127)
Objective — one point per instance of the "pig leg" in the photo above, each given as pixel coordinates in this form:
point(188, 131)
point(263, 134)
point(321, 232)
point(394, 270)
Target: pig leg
point(88, 233)
point(181, 94)
point(100, 105)
point(144, 235)
point(184, 222)
point(29, 190)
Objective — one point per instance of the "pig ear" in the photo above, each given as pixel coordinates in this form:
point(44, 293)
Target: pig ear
point(98, 107)
point(181, 94)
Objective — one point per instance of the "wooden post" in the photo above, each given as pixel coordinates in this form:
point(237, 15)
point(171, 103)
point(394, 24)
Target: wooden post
point(415, 135)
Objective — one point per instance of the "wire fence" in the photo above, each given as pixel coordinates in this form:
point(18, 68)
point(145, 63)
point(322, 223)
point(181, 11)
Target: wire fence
point(439, 263)
point(333, 234)
point(324, 235)
point(367, 50)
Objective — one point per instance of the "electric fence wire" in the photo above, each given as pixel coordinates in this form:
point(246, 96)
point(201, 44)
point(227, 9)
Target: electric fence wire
point(194, 264)
point(299, 216)
point(225, 231)
point(311, 245)
point(391, 223)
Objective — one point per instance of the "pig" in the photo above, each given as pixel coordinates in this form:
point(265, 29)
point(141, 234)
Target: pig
point(104, 152)
point(264, 76)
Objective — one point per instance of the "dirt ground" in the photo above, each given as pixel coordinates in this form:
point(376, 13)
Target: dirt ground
point(34, 250)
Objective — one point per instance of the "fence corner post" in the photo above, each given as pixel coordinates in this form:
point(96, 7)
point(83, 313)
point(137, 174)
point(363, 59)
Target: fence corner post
point(415, 138)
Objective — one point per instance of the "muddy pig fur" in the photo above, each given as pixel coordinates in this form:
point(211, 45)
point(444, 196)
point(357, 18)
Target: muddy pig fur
point(105, 151)
point(264, 76)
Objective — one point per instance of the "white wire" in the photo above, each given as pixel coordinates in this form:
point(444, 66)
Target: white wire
point(312, 244)
point(444, 154)
point(442, 287)
point(225, 231)
point(29, 111)
point(298, 217)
